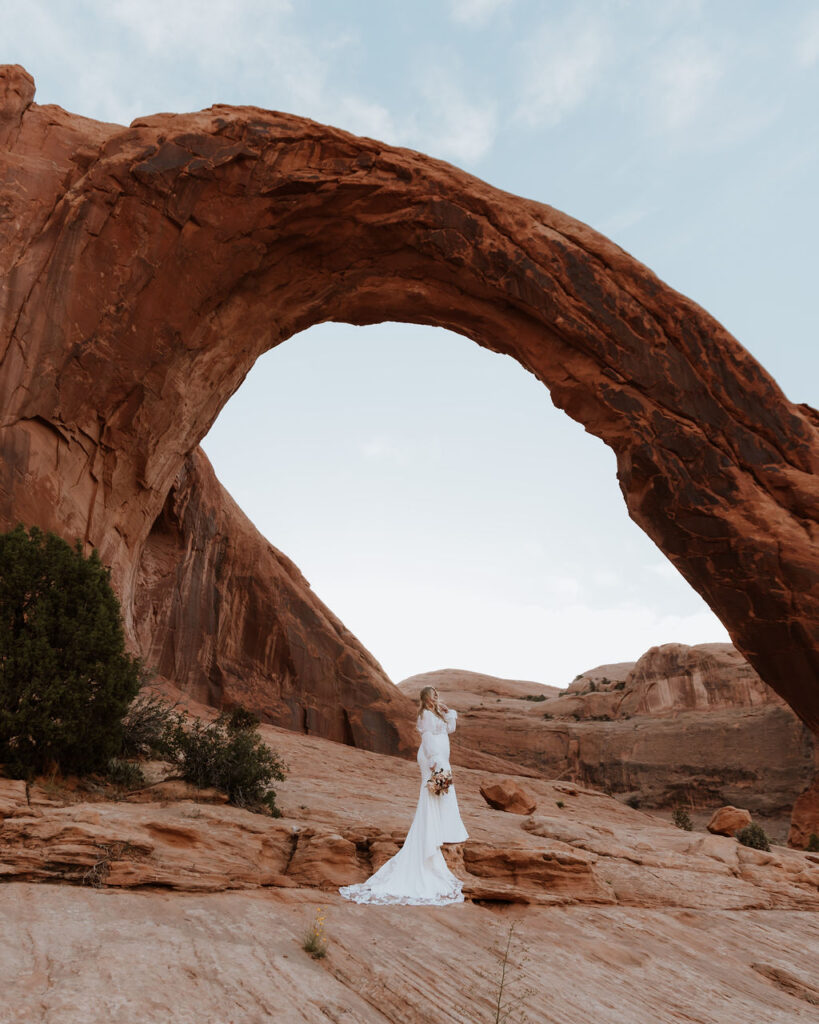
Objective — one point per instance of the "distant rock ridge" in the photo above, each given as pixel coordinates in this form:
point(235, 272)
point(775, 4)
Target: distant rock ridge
point(681, 724)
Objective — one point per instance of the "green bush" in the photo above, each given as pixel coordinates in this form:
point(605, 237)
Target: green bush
point(65, 677)
point(682, 819)
point(634, 802)
point(753, 835)
point(813, 843)
point(230, 755)
point(148, 725)
point(534, 696)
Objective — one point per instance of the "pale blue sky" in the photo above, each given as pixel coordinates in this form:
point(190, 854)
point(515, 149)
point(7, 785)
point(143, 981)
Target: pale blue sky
point(430, 492)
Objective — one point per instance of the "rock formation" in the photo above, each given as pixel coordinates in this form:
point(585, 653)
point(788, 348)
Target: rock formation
point(805, 818)
point(145, 268)
point(508, 795)
point(262, 637)
point(727, 821)
point(692, 724)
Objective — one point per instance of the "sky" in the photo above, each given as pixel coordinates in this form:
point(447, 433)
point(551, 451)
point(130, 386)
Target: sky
point(427, 488)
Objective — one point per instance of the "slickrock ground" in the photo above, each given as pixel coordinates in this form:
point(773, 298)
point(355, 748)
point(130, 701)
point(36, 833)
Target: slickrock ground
point(682, 724)
point(193, 911)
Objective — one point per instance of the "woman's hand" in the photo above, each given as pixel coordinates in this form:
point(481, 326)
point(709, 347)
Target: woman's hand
point(442, 707)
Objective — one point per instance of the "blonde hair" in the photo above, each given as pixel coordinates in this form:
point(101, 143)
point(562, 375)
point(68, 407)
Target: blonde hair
point(432, 706)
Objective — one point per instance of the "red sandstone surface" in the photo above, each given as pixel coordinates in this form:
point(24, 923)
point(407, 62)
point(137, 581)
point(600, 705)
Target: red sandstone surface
point(170, 905)
point(145, 268)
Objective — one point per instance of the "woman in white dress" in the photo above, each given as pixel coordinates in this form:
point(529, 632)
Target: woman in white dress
point(418, 874)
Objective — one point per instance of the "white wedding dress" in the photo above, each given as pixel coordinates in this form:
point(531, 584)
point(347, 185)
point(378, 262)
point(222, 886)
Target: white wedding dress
point(418, 874)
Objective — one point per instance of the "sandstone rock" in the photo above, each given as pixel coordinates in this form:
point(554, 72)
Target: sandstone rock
point(132, 313)
point(508, 795)
point(270, 644)
point(675, 677)
point(12, 797)
point(805, 818)
point(728, 820)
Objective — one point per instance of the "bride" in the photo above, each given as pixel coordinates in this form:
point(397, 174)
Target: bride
point(418, 874)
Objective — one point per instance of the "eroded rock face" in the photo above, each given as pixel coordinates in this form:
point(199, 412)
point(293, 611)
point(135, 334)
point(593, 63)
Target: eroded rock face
point(231, 620)
point(805, 818)
point(675, 677)
point(144, 269)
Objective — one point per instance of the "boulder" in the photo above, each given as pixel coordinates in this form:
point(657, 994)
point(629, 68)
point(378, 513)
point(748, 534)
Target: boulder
point(508, 795)
point(728, 820)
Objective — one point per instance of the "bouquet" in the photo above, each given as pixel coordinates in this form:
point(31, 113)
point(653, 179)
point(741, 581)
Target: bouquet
point(439, 782)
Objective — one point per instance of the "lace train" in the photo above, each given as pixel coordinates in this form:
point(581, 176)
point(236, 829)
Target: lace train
point(418, 875)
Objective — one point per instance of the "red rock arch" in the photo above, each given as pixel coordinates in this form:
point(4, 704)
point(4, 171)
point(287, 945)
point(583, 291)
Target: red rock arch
point(148, 267)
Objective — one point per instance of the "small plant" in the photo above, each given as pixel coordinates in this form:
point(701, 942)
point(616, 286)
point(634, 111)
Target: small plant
point(619, 685)
point(147, 725)
point(505, 1007)
point(314, 940)
point(97, 874)
point(682, 819)
point(548, 716)
point(813, 843)
point(126, 774)
point(753, 835)
point(560, 803)
point(634, 802)
point(534, 696)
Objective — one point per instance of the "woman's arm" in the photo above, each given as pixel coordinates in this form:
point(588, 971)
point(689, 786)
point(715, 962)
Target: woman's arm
point(425, 727)
point(451, 718)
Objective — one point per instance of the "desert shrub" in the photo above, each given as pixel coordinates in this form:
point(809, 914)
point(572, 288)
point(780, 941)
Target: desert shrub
point(813, 843)
point(65, 677)
point(619, 685)
point(126, 774)
point(148, 725)
point(633, 801)
point(560, 804)
point(228, 754)
point(753, 835)
point(682, 819)
point(534, 696)
point(314, 939)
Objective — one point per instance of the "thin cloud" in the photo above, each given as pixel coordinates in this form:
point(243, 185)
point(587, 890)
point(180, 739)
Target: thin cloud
point(560, 66)
point(475, 12)
point(685, 78)
point(807, 47)
point(454, 125)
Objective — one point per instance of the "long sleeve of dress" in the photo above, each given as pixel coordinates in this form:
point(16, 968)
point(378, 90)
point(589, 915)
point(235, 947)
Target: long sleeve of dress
point(426, 726)
point(451, 718)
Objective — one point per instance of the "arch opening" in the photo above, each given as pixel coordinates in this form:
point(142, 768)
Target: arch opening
point(444, 509)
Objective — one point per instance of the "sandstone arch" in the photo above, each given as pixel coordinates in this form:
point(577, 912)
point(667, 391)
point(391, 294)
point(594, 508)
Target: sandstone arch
point(149, 267)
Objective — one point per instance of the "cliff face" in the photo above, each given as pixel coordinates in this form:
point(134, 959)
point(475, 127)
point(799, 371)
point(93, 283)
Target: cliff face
point(144, 269)
point(232, 620)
